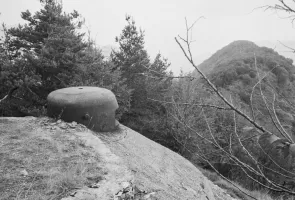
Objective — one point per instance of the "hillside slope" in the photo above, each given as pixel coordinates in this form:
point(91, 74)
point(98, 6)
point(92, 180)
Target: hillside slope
point(35, 152)
point(237, 68)
point(241, 50)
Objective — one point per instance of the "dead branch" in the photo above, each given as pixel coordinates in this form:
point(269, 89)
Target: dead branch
point(278, 121)
point(269, 157)
point(253, 88)
point(275, 121)
point(242, 165)
point(167, 76)
point(216, 171)
point(212, 86)
point(293, 50)
point(231, 182)
point(192, 104)
point(284, 7)
point(258, 171)
point(9, 94)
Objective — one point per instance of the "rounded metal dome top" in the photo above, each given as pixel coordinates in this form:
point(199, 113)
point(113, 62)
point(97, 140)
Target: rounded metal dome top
point(92, 106)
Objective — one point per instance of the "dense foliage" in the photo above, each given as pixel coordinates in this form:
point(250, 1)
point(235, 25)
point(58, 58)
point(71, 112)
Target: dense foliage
point(50, 52)
point(149, 84)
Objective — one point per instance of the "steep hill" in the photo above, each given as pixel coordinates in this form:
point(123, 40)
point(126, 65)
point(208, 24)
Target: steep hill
point(282, 47)
point(237, 68)
point(242, 50)
point(261, 84)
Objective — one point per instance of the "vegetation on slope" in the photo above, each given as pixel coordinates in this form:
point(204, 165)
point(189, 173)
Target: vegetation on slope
point(213, 131)
point(236, 72)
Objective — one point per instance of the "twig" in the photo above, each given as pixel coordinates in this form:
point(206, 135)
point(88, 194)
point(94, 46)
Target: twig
point(9, 95)
point(218, 92)
point(274, 186)
point(192, 104)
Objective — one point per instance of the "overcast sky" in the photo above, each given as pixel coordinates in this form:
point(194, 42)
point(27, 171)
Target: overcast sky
point(162, 20)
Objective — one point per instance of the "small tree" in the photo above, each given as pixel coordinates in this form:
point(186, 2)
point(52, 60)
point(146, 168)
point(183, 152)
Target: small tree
point(96, 71)
point(50, 43)
point(147, 79)
point(131, 59)
point(44, 53)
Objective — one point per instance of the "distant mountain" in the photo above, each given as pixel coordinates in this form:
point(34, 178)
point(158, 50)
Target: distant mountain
point(240, 51)
point(234, 51)
point(282, 47)
point(232, 68)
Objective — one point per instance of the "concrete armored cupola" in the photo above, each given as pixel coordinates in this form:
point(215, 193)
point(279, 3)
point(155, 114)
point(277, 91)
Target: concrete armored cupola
point(92, 106)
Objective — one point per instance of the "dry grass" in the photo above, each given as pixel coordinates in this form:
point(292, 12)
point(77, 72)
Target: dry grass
point(35, 164)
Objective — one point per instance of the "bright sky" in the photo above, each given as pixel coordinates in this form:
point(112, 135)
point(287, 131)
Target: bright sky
point(162, 20)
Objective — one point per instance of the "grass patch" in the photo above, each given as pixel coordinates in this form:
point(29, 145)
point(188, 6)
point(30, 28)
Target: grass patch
point(39, 164)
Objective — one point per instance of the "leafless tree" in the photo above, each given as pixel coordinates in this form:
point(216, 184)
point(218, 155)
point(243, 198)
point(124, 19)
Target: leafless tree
point(266, 139)
point(279, 149)
point(283, 6)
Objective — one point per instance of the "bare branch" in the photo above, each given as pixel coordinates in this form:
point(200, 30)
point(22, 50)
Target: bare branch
point(192, 104)
point(257, 169)
point(258, 82)
point(284, 134)
point(287, 136)
point(293, 50)
point(219, 93)
point(9, 95)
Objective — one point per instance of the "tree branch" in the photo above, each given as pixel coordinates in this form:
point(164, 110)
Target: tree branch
point(9, 94)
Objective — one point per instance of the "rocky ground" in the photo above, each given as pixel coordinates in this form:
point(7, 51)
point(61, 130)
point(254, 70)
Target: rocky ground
point(42, 158)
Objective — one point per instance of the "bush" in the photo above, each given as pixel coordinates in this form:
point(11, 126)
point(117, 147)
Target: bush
point(224, 78)
point(252, 74)
point(246, 79)
point(242, 70)
point(245, 97)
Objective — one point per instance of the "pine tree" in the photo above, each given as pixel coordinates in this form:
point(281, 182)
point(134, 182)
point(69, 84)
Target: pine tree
point(97, 71)
point(50, 42)
point(50, 52)
point(132, 60)
point(158, 80)
point(42, 55)
point(147, 79)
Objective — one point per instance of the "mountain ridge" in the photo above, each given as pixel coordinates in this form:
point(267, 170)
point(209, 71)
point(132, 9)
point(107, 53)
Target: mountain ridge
point(237, 68)
point(234, 51)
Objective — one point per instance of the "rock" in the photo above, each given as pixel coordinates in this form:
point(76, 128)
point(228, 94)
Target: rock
point(125, 184)
point(24, 172)
point(132, 166)
point(81, 195)
point(92, 106)
point(73, 124)
point(63, 125)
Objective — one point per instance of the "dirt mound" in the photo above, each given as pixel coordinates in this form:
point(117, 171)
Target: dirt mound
point(117, 165)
